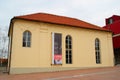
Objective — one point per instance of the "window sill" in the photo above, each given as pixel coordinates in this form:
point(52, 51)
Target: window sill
point(56, 64)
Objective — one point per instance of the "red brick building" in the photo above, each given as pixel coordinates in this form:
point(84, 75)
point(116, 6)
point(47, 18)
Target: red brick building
point(3, 62)
point(113, 24)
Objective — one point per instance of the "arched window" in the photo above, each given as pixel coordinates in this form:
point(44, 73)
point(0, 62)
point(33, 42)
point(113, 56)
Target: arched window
point(27, 39)
point(68, 50)
point(97, 51)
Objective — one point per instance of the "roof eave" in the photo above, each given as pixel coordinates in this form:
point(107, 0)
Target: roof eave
point(62, 24)
point(11, 22)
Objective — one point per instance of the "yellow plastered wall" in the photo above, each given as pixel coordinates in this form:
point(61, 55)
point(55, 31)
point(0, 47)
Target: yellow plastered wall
point(39, 55)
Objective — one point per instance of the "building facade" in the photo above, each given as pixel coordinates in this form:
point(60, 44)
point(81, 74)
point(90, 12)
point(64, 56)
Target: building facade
point(44, 42)
point(113, 24)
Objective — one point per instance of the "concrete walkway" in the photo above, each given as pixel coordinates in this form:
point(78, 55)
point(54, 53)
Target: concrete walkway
point(111, 73)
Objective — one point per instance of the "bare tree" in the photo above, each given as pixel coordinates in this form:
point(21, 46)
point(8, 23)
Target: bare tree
point(3, 44)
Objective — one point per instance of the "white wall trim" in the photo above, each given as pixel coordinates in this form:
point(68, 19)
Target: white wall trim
point(116, 35)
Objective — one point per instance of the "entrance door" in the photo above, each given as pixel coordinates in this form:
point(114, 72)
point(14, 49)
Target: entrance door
point(117, 56)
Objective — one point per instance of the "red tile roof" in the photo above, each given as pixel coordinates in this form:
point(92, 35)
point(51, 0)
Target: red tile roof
point(55, 19)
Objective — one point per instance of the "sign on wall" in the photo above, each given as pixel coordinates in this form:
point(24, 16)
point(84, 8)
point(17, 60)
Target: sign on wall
point(56, 48)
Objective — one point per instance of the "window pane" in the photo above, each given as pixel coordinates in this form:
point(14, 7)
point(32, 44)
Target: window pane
point(66, 52)
point(29, 39)
point(98, 61)
point(66, 41)
point(29, 34)
point(66, 60)
point(69, 38)
point(24, 44)
point(70, 56)
point(69, 42)
point(67, 47)
point(24, 39)
point(98, 57)
point(66, 56)
point(70, 61)
point(70, 52)
point(24, 34)
point(97, 48)
point(70, 46)
point(28, 44)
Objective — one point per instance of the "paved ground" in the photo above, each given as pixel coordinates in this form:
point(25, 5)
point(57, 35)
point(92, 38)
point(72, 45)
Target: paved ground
point(111, 73)
point(2, 69)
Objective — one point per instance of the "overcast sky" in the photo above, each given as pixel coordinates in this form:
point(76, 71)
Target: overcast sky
point(92, 11)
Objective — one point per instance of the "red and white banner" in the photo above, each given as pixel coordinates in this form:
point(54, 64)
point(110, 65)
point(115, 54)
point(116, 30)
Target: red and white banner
point(56, 48)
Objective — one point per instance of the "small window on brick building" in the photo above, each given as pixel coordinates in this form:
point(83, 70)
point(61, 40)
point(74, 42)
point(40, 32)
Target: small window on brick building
point(110, 21)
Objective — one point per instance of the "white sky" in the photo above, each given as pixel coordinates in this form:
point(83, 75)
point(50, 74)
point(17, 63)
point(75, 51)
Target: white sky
point(92, 11)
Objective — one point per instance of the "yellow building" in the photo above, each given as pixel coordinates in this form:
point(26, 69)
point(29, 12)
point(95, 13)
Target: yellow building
point(44, 42)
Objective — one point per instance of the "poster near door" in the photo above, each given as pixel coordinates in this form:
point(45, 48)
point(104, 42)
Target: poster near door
point(56, 48)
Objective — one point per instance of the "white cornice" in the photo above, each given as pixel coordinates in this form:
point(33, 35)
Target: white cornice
point(116, 35)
